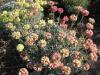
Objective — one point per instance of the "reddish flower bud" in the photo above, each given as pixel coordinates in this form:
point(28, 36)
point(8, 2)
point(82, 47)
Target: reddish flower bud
point(85, 12)
point(54, 8)
point(65, 18)
point(60, 10)
point(89, 33)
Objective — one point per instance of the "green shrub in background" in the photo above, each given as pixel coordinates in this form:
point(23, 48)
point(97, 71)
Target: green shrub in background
point(70, 4)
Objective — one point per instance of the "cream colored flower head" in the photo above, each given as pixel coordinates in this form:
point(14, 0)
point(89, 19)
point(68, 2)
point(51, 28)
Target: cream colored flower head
point(35, 8)
point(64, 52)
point(16, 35)
point(34, 36)
point(72, 32)
point(73, 17)
point(27, 26)
point(62, 35)
point(41, 23)
point(20, 47)
point(23, 71)
point(45, 60)
point(50, 22)
point(77, 63)
point(72, 39)
point(91, 20)
point(66, 70)
point(29, 41)
point(36, 26)
point(42, 43)
point(89, 26)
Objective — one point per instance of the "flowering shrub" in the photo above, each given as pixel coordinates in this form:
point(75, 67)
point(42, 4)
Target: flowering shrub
point(54, 44)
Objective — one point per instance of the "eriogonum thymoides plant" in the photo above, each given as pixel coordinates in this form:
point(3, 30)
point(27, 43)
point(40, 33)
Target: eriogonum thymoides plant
point(51, 43)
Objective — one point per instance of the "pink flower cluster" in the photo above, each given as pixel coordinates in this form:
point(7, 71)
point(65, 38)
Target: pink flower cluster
point(90, 27)
point(56, 9)
point(92, 48)
point(82, 10)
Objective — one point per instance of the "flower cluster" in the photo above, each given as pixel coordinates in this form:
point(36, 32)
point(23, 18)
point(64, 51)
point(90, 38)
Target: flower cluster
point(51, 43)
